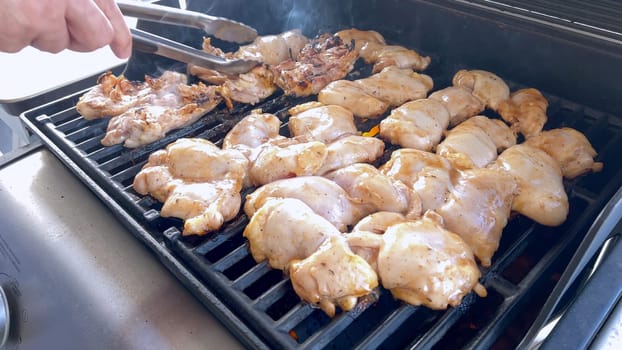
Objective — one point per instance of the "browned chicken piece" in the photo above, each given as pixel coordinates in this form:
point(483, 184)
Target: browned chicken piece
point(486, 86)
point(324, 196)
point(360, 37)
point(113, 95)
point(416, 124)
point(541, 195)
point(422, 263)
point(349, 150)
point(352, 96)
point(460, 103)
point(251, 87)
point(197, 181)
point(525, 110)
point(284, 229)
point(268, 49)
point(371, 97)
point(284, 159)
point(318, 122)
point(570, 148)
point(333, 275)
point(382, 55)
point(147, 123)
point(476, 142)
point(428, 174)
point(478, 208)
point(374, 191)
point(323, 60)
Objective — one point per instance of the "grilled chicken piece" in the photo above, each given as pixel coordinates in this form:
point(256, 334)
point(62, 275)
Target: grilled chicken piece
point(374, 191)
point(269, 49)
point(252, 131)
point(478, 208)
point(360, 37)
point(422, 263)
point(284, 159)
point(349, 150)
point(274, 49)
point(323, 60)
point(428, 174)
point(333, 275)
point(251, 87)
point(382, 55)
point(416, 124)
point(324, 196)
point(525, 110)
point(460, 103)
point(318, 122)
point(476, 142)
point(570, 148)
point(197, 181)
point(375, 223)
point(486, 86)
point(114, 95)
point(371, 97)
point(352, 96)
point(541, 195)
point(397, 85)
point(284, 229)
point(147, 123)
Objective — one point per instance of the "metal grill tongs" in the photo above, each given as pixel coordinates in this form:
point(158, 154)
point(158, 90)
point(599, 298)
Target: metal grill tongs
point(221, 28)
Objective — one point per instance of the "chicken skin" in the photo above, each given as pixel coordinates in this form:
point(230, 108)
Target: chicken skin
point(349, 150)
point(478, 208)
point(570, 148)
point(360, 37)
point(486, 86)
point(416, 124)
point(333, 275)
point(460, 103)
point(476, 142)
point(324, 196)
point(374, 191)
point(422, 263)
point(371, 97)
point(541, 195)
point(280, 160)
point(428, 174)
point(147, 123)
point(197, 181)
point(318, 122)
point(525, 110)
point(353, 97)
point(382, 56)
point(252, 131)
point(284, 229)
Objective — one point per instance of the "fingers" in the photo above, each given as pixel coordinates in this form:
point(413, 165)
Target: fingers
point(87, 26)
point(94, 24)
point(121, 43)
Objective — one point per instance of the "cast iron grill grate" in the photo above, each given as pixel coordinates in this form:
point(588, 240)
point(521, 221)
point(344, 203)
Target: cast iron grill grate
point(523, 269)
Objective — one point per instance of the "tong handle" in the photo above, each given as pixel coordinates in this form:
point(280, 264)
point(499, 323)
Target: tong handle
point(221, 28)
point(150, 43)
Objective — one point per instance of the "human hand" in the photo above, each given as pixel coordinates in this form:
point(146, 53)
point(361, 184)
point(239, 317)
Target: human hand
point(55, 25)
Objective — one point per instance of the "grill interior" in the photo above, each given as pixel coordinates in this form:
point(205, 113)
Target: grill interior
point(257, 303)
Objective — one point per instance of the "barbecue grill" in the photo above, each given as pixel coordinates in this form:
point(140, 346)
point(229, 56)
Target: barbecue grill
point(543, 45)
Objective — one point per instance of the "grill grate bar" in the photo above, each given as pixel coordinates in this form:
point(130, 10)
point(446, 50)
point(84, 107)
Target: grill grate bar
point(296, 315)
point(273, 295)
point(252, 275)
point(387, 327)
point(232, 258)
